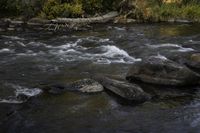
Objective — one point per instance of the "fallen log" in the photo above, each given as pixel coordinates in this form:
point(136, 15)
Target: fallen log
point(55, 24)
point(99, 19)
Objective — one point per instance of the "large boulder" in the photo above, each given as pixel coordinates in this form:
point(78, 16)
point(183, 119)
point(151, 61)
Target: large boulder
point(83, 85)
point(162, 71)
point(124, 89)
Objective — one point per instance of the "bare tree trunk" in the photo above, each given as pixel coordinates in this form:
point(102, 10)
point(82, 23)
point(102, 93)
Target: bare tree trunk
point(100, 19)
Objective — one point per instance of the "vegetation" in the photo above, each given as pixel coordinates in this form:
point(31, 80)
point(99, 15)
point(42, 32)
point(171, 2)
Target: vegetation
point(56, 8)
point(145, 10)
point(184, 10)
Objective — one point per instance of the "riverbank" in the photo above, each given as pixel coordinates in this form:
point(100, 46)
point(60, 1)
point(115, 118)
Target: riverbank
point(57, 14)
point(74, 24)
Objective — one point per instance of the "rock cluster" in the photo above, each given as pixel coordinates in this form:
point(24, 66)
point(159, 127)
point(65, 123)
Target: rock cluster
point(152, 77)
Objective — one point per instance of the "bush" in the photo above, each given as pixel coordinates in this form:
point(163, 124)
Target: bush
point(92, 6)
point(191, 12)
point(27, 8)
point(76, 8)
point(54, 8)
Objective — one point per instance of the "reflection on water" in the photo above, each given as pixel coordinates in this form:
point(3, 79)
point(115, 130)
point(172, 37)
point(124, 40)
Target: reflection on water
point(29, 60)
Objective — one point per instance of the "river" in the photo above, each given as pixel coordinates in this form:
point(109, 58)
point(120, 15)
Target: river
point(32, 58)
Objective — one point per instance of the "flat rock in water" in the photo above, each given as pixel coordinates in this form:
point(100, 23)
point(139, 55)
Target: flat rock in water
point(84, 85)
point(124, 89)
point(162, 72)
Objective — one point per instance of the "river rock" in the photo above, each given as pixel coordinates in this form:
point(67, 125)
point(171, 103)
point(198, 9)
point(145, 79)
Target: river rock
point(83, 85)
point(163, 72)
point(124, 89)
point(195, 57)
point(194, 62)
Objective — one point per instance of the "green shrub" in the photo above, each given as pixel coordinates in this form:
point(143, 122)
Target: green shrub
point(191, 12)
point(92, 6)
point(54, 8)
point(70, 10)
point(168, 11)
point(26, 8)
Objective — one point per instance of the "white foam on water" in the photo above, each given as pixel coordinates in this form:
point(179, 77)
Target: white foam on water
point(164, 45)
point(113, 51)
point(8, 42)
point(13, 37)
point(105, 40)
point(179, 47)
point(192, 113)
point(6, 50)
point(159, 56)
point(103, 61)
point(193, 41)
point(31, 53)
point(182, 49)
point(119, 28)
point(68, 45)
point(20, 90)
point(25, 91)
point(28, 92)
point(103, 52)
point(21, 44)
point(196, 122)
point(97, 39)
point(65, 46)
point(106, 54)
point(39, 44)
point(11, 101)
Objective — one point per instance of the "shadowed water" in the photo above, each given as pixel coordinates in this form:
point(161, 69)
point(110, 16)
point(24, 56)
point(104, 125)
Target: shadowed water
point(31, 59)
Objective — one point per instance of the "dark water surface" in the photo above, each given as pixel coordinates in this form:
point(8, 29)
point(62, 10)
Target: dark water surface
point(30, 59)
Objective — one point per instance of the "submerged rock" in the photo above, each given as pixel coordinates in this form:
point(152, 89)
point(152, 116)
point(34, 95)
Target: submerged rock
point(194, 62)
point(163, 72)
point(84, 85)
point(123, 89)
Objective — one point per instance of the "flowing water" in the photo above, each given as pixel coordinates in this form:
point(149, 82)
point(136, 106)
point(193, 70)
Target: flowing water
point(30, 59)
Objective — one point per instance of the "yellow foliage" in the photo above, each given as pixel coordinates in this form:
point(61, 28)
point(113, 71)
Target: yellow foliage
point(172, 1)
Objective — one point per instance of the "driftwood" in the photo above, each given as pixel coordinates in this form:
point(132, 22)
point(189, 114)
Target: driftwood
point(58, 23)
point(100, 19)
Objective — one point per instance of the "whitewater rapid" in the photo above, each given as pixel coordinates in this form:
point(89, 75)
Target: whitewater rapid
point(101, 51)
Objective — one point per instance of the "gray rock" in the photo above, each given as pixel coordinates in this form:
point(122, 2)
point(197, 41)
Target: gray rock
point(84, 85)
point(163, 72)
point(124, 89)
